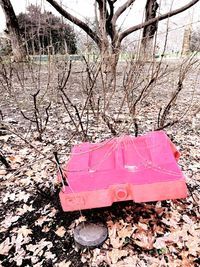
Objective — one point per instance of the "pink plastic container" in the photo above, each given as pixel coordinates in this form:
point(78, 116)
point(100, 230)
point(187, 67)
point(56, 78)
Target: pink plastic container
point(125, 168)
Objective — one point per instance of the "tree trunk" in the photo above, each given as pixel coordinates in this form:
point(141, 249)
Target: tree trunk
point(147, 43)
point(13, 30)
point(186, 41)
point(109, 61)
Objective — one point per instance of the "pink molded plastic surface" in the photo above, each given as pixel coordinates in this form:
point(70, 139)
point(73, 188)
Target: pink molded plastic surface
point(124, 168)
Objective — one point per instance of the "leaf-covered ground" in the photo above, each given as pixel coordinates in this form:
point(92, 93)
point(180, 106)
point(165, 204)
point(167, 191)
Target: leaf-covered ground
point(34, 231)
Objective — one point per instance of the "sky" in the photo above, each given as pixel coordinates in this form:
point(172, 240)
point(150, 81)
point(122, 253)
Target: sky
point(85, 8)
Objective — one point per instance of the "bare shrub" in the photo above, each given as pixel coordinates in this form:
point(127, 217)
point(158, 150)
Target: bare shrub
point(79, 97)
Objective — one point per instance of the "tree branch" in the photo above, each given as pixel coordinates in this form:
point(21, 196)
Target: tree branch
point(76, 21)
point(111, 6)
point(159, 18)
point(109, 24)
point(105, 23)
point(121, 9)
point(102, 10)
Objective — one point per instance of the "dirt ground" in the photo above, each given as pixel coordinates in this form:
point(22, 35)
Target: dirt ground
point(34, 231)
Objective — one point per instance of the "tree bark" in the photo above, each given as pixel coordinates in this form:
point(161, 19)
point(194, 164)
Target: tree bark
point(13, 30)
point(147, 43)
point(186, 41)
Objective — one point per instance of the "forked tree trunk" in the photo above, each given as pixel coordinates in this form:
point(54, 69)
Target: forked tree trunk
point(13, 30)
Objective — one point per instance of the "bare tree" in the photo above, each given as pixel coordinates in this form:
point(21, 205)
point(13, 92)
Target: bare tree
point(13, 30)
point(108, 37)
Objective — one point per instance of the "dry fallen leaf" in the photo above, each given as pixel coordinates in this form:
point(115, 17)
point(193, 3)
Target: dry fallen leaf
point(38, 248)
point(24, 209)
point(45, 229)
point(9, 196)
point(5, 246)
point(160, 243)
point(49, 255)
point(15, 158)
point(29, 173)
point(63, 264)
point(19, 257)
point(24, 231)
point(127, 262)
point(53, 212)
point(115, 241)
point(144, 240)
point(79, 220)
point(41, 220)
point(193, 244)
point(60, 231)
point(126, 232)
point(143, 226)
point(3, 172)
point(9, 220)
point(116, 254)
point(23, 196)
point(187, 219)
